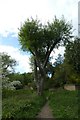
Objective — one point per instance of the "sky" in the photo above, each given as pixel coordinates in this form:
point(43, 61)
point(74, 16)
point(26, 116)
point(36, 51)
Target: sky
point(14, 12)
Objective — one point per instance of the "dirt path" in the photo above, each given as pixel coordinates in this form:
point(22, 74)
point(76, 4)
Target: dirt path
point(45, 112)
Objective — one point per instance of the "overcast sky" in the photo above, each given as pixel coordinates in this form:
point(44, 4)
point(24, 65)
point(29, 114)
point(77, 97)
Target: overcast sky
point(15, 12)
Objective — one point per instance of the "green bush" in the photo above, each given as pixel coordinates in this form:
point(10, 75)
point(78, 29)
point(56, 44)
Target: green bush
point(21, 104)
point(24, 78)
point(75, 78)
point(49, 83)
point(7, 93)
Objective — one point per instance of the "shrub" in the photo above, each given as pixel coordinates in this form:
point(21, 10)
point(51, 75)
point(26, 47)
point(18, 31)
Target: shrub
point(49, 83)
point(24, 104)
point(16, 85)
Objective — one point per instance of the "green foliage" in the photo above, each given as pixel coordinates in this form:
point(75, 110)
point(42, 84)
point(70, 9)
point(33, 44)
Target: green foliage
point(35, 36)
point(68, 71)
point(7, 63)
point(64, 104)
point(30, 33)
point(21, 104)
point(11, 93)
point(75, 78)
point(48, 83)
point(72, 54)
point(24, 78)
point(59, 77)
point(65, 73)
point(40, 40)
point(15, 77)
point(28, 78)
point(7, 67)
point(72, 61)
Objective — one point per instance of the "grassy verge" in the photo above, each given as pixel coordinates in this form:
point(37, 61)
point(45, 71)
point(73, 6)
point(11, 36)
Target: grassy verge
point(21, 104)
point(64, 104)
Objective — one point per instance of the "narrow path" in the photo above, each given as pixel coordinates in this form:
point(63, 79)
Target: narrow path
point(45, 112)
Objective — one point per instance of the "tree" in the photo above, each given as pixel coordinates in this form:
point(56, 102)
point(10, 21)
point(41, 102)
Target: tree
point(59, 60)
point(7, 64)
point(72, 54)
point(59, 78)
point(24, 78)
point(40, 40)
point(72, 60)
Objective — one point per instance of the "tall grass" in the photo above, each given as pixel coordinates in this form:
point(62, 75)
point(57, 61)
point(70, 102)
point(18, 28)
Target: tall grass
point(64, 104)
point(21, 104)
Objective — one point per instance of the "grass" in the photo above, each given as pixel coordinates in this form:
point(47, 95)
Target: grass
point(64, 104)
point(79, 102)
point(21, 104)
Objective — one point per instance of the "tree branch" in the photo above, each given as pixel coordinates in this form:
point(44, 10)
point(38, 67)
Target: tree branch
point(32, 52)
point(49, 52)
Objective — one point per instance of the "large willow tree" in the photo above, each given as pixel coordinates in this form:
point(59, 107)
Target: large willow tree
point(40, 40)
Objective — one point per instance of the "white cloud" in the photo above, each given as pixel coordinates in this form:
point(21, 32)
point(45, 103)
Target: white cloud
point(23, 60)
point(13, 12)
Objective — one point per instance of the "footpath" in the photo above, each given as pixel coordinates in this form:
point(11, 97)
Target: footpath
point(45, 112)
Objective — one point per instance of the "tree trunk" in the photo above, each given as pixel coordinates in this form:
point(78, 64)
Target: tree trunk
point(36, 77)
point(39, 77)
point(35, 71)
point(40, 85)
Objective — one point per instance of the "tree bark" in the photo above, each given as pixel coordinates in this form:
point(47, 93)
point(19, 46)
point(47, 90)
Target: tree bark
point(40, 85)
point(35, 71)
point(41, 81)
point(39, 75)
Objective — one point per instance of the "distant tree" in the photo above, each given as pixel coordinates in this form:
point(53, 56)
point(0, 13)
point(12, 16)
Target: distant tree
point(15, 77)
point(72, 54)
point(72, 60)
point(40, 40)
point(59, 60)
point(68, 71)
point(59, 78)
point(24, 78)
point(7, 64)
point(27, 78)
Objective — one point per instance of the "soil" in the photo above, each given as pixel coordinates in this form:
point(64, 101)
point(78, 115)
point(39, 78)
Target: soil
point(45, 112)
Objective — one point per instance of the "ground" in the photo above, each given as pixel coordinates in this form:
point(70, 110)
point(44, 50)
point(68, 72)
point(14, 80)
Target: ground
point(45, 112)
